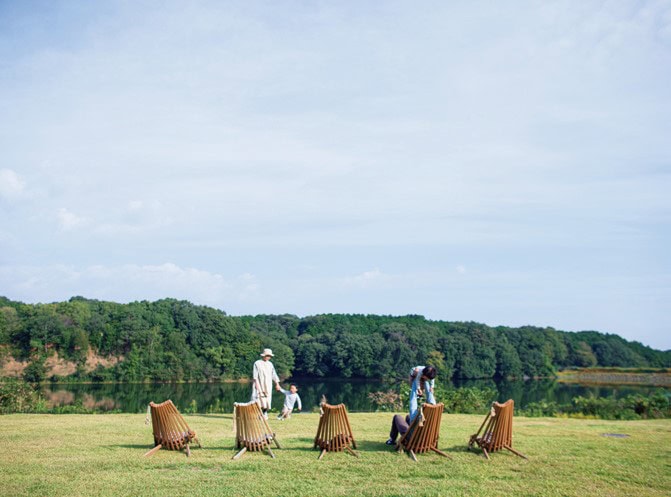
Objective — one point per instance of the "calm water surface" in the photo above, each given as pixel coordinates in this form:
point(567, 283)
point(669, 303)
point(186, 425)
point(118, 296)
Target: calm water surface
point(134, 397)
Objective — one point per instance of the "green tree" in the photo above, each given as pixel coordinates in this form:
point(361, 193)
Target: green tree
point(79, 344)
point(583, 356)
point(508, 363)
point(35, 372)
point(436, 359)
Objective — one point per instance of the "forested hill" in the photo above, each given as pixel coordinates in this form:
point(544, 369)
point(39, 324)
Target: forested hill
point(176, 340)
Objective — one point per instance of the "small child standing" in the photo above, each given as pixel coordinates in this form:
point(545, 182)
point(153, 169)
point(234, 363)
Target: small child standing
point(290, 398)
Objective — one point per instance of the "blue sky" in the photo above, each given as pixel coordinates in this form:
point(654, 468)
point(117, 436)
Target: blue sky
point(506, 163)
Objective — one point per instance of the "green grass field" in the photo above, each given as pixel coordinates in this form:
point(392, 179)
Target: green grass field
point(90, 455)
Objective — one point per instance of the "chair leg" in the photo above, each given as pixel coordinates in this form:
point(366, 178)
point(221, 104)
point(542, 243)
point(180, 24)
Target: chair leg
point(270, 452)
point(188, 450)
point(321, 454)
point(517, 453)
point(486, 455)
point(240, 452)
point(351, 451)
point(412, 454)
point(153, 451)
point(438, 451)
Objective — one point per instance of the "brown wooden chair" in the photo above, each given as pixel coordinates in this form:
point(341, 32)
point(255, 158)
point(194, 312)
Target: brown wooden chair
point(424, 432)
point(334, 433)
point(170, 430)
point(251, 429)
point(496, 431)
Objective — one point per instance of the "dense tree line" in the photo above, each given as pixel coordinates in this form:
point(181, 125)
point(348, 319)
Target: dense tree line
point(176, 340)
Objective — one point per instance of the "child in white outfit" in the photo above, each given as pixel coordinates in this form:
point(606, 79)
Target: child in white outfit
point(290, 399)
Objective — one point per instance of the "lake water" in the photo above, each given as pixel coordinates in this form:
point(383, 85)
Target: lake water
point(134, 397)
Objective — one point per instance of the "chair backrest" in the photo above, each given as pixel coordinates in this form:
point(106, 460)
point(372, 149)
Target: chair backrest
point(170, 429)
point(334, 432)
point(424, 431)
point(499, 429)
point(251, 428)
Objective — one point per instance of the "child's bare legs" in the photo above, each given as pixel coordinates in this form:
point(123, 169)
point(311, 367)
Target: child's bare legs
point(284, 414)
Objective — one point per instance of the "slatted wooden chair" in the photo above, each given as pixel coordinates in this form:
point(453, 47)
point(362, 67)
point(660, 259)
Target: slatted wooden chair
point(334, 433)
point(496, 431)
point(170, 430)
point(251, 429)
point(424, 432)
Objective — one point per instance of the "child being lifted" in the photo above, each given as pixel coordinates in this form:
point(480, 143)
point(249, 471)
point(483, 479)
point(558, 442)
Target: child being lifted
point(290, 398)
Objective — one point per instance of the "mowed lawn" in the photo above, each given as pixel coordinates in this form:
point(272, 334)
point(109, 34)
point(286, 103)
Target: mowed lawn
point(90, 455)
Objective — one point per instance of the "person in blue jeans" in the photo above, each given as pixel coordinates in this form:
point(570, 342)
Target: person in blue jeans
point(422, 380)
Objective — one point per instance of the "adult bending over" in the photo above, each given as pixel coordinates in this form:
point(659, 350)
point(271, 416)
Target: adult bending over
point(422, 381)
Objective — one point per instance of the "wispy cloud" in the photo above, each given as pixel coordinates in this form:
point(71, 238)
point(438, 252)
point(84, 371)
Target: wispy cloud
point(68, 220)
point(368, 279)
point(124, 283)
point(12, 185)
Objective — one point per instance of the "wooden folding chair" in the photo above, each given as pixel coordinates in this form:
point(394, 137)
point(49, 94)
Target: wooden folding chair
point(424, 432)
point(498, 430)
point(334, 433)
point(170, 430)
point(251, 429)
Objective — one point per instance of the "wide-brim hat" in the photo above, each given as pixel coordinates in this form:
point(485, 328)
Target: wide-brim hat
point(267, 352)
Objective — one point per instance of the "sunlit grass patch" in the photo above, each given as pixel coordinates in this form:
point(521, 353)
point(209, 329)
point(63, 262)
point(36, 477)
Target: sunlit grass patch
point(73, 455)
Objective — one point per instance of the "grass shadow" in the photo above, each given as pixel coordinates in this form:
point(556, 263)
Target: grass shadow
point(307, 444)
point(460, 448)
point(370, 446)
point(209, 447)
point(361, 446)
point(144, 447)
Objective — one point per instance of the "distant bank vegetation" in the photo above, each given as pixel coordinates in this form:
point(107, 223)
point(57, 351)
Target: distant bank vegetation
point(620, 376)
point(173, 340)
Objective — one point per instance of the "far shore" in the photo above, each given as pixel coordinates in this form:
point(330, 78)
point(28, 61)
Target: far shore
point(615, 376)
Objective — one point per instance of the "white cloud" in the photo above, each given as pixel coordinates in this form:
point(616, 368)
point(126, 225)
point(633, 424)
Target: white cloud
point(124, 283)
point(68, 220)
point(137, 217)
point(135, 205)
point(368, 279)
point(11, 184)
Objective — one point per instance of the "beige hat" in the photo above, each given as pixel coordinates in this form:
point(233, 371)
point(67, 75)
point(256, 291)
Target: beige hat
point(267, 352)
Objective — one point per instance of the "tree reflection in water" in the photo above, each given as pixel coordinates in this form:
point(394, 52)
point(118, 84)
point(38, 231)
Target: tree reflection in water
point(219, 397)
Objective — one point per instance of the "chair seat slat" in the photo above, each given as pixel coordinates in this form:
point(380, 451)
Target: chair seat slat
point(334, 433)
point(252, 432)
point(424, 432)
point(498, 434)
point(169, 428)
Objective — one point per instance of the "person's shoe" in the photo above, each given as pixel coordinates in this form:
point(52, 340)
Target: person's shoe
point(391, 441)
point(279, 418)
